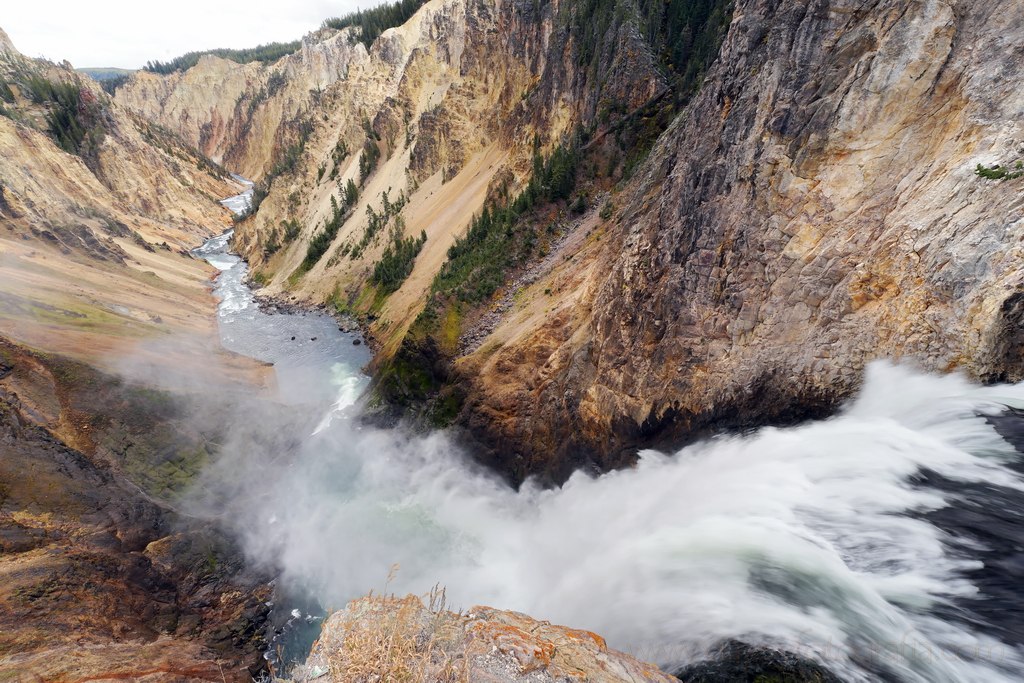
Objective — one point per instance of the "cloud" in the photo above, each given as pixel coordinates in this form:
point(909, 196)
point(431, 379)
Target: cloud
point(126, 34)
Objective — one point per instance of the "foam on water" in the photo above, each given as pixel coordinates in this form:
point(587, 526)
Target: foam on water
point(240, 203)
point(808, 539)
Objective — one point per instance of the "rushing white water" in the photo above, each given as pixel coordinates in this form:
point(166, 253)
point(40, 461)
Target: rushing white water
point(814, 539)
point(240, 203)
point(796, 538)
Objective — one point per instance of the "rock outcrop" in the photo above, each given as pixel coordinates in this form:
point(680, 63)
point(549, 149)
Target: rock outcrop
point(100, 578)
point(388, 638)
point(815, 207)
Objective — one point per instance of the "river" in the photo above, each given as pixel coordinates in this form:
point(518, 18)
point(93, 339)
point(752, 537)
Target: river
point(886, 543)
point(314, 361)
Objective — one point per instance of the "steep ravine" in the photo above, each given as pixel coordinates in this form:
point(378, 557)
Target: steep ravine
point(814, 207)
point(101, 308)
point(453, 102)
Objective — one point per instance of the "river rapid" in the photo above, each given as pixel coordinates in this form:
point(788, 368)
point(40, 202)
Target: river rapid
point(885, 543)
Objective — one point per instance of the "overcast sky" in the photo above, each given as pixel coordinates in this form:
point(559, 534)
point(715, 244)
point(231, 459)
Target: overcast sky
point(128, 33)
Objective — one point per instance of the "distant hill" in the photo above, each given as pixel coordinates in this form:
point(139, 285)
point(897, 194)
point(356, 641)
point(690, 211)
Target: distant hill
point(105, 73)
point(109, 78)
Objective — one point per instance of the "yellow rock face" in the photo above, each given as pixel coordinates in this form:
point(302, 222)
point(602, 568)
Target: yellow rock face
point(816, 207)
point(93, 252)
point(454, 99)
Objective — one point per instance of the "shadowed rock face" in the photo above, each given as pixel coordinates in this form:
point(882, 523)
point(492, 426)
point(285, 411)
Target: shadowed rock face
point(815, 207)
point(735, 662)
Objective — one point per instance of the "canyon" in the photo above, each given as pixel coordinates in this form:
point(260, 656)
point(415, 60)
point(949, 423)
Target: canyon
point(789, 225)
point(569, 232)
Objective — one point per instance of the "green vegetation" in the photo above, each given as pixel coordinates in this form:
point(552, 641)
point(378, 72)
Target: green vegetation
point(110, 79)
point(276, 83)
point(74, 117)
point(285, 233)
point(407, 378)
point(351, 193)
point(104, 73)
point(502, 237)
point(174, 146)
point(322, 240)
point(291, 229)
point(396, 263)
point(686, 34)
point(372, 22)
point(110, 85)
point(998, 172)
point(368, 159)
point(285, 164)
point(271, 52)
point(375, 222)
point(339, 154)
point(6, 96)
point(478, 262)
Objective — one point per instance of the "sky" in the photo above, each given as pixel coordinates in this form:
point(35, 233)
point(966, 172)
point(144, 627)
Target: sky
point(128, 33)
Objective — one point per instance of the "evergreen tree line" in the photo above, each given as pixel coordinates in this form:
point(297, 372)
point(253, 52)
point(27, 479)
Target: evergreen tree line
point(74, 118)
point(477, 262)
point(268, 53)
point(372, 22)
point(398, 259)
point(290, 228)
point(375, 222)
point(684, 34)
point(110, 85)
point(368, 159)
point(322, 241)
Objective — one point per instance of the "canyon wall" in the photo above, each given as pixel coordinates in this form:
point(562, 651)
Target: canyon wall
point(814, 208)
point(98, 208)
point(101, 577)
point(439, 115)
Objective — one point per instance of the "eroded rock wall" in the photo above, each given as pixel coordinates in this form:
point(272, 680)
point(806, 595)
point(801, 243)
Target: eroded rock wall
point(815, 207)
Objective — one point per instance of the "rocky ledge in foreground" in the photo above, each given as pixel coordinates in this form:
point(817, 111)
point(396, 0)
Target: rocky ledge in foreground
point(389, 638)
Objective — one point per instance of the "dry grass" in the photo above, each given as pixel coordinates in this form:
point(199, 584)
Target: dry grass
point(386, 639)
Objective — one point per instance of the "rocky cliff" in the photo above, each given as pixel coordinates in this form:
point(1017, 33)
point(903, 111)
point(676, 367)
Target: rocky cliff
point(437, 116)
point(815, 207)
point(100, 580)
point(98, 208)
point(101, 577)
